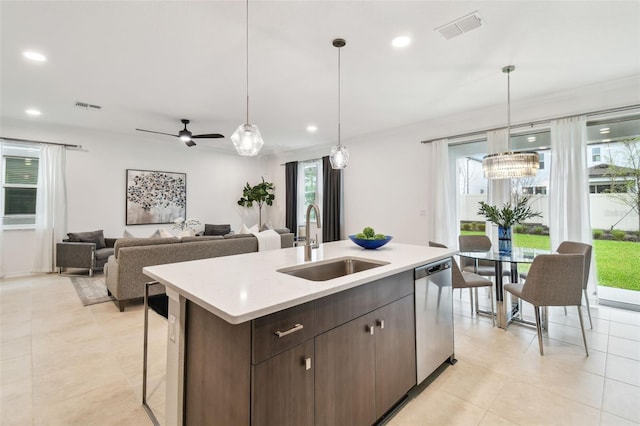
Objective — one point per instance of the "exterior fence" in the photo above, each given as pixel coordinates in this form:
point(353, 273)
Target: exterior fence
point(606, 211)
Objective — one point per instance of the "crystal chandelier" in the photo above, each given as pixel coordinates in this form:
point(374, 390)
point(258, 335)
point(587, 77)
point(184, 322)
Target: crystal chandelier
point(339, 156)
point(247, 138)
point(506, 165)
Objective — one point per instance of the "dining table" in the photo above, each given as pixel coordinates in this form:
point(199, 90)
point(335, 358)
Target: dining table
point(518, 255)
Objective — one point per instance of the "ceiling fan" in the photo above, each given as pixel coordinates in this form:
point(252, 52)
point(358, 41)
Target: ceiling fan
point(185, 135)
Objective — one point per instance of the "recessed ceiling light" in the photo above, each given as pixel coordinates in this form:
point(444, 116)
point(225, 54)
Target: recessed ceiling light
point(606, 140)
point(605, 130)
point(311, 128)
point(531, 138)
point(34, 56)
point(33, 112)
point(401, 41)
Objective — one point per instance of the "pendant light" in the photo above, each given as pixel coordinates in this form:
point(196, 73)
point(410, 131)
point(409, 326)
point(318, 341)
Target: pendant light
point(247, 138)
point(339, 156)
point(506, 165)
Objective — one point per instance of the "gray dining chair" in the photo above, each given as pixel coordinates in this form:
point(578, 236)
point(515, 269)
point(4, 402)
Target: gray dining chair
point(553, 280)
point(464, 279)
point(485, 268)
point(573, 247)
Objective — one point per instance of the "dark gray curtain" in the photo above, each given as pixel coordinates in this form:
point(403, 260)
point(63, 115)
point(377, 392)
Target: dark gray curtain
point(291, 184)
point(331, 201)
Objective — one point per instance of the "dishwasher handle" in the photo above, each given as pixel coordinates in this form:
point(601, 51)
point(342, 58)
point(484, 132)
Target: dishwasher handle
point(432, 268)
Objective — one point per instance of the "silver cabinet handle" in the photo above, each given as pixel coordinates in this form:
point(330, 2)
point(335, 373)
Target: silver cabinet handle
point(307, 363)
point(381, 323)
point(295, 328)
point(371, 329)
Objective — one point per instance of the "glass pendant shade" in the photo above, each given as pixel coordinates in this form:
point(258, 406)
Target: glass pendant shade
point(339, 157)
point(247, 139)
point(506, 165)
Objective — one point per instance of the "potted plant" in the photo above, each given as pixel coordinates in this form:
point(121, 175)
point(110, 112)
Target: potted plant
point(505, 217)
point(260, 194)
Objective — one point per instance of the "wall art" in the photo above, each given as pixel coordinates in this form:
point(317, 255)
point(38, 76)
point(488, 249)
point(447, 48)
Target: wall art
point(155, 197)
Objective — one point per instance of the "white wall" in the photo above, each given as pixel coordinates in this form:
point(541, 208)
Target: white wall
point(96, 178)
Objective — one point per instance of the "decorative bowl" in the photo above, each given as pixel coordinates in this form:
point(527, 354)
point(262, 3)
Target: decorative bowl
point(370, 244)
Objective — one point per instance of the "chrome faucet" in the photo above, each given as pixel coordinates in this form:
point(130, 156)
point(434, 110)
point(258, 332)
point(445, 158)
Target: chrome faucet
point(307, 240)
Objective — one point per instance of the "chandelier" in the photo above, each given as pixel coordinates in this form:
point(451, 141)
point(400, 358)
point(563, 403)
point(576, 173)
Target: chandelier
point(506, 165)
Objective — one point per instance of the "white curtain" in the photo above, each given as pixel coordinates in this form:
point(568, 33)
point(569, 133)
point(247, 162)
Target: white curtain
point(51, 206)
point(440, 195)
point(499, 190)
point(569, 217)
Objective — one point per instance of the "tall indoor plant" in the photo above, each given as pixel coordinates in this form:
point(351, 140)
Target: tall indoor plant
point(505, 217)
point(260, 194)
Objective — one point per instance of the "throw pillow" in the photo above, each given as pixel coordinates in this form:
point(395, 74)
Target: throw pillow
point(265, 226)
point(96, 237)
point(254, 228)
point(244, 229)
point(164, 233)
point(186, 233)
point(127, 234)
point(216, 229)
point(155, 234)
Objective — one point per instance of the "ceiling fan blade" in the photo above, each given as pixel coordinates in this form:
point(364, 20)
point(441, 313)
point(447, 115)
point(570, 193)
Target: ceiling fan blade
point(159, 133)
point(190, 143)
point(209, 136)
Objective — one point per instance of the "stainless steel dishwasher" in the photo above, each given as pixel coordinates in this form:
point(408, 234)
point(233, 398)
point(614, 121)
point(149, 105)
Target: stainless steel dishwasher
point(434, 317)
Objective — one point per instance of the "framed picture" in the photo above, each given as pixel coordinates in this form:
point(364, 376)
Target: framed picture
point(155, 197)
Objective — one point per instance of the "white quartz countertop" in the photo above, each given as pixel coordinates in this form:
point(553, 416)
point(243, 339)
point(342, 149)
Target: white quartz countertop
point(247, 286)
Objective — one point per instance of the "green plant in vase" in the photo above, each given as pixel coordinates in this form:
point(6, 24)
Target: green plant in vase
point(506, 217)
point(260, 194)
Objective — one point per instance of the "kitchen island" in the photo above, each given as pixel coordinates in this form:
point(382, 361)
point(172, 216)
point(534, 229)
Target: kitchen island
point(248, 344)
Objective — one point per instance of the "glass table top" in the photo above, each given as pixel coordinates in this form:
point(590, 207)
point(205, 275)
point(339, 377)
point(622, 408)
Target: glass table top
point(518, 255)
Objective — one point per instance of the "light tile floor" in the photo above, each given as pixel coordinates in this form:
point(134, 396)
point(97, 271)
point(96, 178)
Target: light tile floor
point(65, 364)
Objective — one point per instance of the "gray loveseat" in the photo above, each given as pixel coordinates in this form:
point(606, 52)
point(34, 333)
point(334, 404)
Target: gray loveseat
point(125, 280)
point(88, 250)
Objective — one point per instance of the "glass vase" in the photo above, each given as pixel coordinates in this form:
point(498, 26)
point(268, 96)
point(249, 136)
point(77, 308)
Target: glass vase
point(504, 241)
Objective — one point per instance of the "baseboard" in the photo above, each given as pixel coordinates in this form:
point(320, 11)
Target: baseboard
point(619, 298)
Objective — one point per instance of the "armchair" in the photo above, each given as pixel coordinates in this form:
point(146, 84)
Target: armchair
point(89, 250)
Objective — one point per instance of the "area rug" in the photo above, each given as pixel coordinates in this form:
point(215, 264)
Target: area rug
point(91, 290)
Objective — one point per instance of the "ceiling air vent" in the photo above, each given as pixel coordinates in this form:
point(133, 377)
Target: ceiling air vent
point(459, 26)
point(85, 105)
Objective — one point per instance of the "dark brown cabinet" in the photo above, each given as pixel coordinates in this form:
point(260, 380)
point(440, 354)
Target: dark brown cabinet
point(282, 388)
point(344, 359)
point(395, 353)
point(345, 374)
point(365, 366)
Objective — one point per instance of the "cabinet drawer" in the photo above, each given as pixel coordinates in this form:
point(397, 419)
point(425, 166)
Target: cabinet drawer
point(282, 330)
point(331, 311)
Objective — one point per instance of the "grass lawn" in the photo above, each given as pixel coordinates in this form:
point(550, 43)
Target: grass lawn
point(617, 262)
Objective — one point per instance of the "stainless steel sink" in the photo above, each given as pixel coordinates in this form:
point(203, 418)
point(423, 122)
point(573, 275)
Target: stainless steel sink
point(332, 268)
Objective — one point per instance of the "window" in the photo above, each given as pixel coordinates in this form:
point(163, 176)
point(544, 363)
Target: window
point(466, 160)
point(595, 154)
point(309, 188)
point(534, 190)
point(19, 185)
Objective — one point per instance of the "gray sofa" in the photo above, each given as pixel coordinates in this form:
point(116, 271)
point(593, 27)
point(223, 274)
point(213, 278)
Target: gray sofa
point(125, 280)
